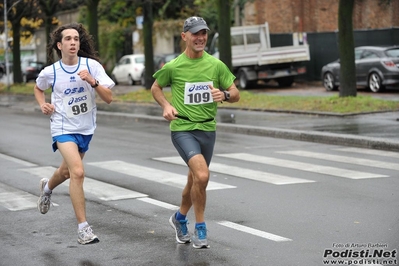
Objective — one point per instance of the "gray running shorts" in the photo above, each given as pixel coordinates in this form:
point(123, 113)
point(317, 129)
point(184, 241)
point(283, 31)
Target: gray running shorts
point(190, 143)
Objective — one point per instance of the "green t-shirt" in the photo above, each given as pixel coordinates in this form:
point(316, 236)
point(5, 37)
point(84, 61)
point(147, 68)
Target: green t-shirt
point(191, 96)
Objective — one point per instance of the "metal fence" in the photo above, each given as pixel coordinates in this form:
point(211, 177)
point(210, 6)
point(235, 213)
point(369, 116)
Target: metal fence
point(323, 46)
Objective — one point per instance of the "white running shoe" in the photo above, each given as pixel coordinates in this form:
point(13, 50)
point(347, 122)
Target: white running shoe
point(86, 236)
point(44, 202)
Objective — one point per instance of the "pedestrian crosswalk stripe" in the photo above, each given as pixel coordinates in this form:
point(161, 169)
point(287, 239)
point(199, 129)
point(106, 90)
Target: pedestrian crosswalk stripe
point(314, 168)
point(254, 232)
point(107, 192)
point(242, 172)
point(371, 152)
point(344, 159)
point(151, 174)
point(159, 203)
point(102, 190)
point(15, 199)
point(16, 160)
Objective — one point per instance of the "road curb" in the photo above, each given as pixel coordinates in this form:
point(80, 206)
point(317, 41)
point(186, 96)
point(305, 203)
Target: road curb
point(309, 136)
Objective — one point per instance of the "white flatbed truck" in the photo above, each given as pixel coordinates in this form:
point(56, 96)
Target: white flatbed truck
point(254, 59)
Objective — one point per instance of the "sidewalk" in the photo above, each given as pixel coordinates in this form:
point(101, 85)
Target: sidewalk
point(375, 131)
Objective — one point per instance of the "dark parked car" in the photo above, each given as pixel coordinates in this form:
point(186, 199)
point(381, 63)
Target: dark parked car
point(376, 68)
point(159, 62)
point(165, 59)
point(3, 70)
point(31, 70)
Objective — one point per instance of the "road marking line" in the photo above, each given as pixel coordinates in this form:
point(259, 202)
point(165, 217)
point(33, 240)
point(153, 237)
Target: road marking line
point(344, 159)
point(151, 174)
point(102, 190)
point(243, 172)
point(314, 168)
point(15, 199)
point(16, 160)
point(254, 232)
point(159, 203)
point(371, 152)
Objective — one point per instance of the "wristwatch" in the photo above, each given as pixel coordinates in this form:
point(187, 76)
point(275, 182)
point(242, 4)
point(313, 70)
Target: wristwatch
point(226, 95)
point(95, 84)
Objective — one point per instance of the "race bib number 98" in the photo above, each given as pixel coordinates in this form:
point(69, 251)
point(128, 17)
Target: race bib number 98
point(75, 106)
point(198, 93)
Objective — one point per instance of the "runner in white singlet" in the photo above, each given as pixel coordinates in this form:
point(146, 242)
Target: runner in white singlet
point(74, 80)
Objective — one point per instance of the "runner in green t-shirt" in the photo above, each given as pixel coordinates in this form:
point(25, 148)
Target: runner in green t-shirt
point(195, 78)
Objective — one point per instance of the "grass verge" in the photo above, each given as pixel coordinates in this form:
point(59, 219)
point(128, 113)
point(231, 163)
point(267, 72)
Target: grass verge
point(255, 101)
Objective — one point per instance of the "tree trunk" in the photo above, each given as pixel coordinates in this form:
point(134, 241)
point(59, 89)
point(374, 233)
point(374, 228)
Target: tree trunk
point(92, 20)
point(148, 47)
point(48, 30)
point(49, 8)
point(16, 52)
point(347, 75)
point(224, 22)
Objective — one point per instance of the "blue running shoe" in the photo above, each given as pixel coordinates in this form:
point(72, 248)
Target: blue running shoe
point(181, 230)
point(199, 237)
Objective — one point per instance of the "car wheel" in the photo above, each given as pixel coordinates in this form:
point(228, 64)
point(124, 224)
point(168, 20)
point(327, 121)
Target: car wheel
point(329, 82)
point(130, 80)
point(375, 82)
point(142, 79)
point(114, 79)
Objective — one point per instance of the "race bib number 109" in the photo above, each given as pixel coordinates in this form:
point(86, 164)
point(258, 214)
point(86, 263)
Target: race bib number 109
point(198, 93)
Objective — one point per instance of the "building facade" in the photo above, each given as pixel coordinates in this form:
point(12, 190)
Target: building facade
point(285, 16)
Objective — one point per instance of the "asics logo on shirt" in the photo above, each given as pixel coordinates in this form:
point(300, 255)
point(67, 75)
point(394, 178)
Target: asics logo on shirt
point(198, 87)
point(77, 99)
point(70, 91)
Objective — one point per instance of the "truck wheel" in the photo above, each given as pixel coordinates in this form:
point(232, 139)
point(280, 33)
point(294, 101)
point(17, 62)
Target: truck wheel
point(243, 81)
point(285, 82)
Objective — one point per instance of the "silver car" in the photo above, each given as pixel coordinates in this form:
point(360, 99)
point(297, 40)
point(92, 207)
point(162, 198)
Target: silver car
point(376, 68)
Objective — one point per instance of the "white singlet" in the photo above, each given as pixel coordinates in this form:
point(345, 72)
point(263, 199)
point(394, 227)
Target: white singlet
point(73, 98)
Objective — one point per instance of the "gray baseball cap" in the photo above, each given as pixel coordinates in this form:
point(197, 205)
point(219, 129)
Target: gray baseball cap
point(195, 24)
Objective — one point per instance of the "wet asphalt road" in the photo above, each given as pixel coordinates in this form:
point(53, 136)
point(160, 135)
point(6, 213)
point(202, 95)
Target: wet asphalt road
point(314, 215)
point(374, 130)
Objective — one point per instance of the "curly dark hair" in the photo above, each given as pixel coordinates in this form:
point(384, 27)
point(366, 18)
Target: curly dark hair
point(87, 48)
